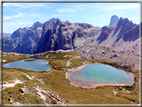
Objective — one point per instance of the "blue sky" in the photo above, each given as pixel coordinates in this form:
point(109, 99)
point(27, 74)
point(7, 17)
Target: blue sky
point(19, 15)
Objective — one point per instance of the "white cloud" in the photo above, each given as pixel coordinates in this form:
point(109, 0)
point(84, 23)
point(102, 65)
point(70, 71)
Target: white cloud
point(132, 18)
point(65, 10)
point(6, 17)
point(22, 23)
point(14, 16)
point(24, 5)
point(74, 9)
point(122, 7)
point(16, 25)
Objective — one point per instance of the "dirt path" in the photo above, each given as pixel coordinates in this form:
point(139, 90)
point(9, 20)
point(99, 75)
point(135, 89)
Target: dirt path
point(7, 85)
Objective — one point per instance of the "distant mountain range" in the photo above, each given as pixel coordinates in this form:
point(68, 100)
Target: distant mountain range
point(55, 35)
point(7, 34)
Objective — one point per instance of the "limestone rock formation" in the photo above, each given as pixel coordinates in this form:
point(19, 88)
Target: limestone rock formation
point(114, 19)
point(55, 35)
point(8, 44)
point(65, 35)
point(123, 34)
point(23, 40)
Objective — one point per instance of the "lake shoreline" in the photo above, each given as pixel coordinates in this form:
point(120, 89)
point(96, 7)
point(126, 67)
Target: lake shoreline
point(78, 83)
point(29, 64)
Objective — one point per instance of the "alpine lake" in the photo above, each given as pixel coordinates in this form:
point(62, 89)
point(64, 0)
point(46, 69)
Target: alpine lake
point(93, 75)
point(29, 64)
point(88, 76)
point(92, 83)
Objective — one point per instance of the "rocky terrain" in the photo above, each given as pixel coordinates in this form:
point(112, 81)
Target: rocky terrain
point(65, 35)
point(52, 87)
point(23, 40)
point(119, 41)
point(55, 35)
point(47, 96)
point(126, 58)
point(66, 46)
point(119, 35)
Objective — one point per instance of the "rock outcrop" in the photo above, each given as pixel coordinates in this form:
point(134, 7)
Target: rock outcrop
point(114, 19)
point(124, 57)
point(23, 40)
point(106, 30)
point(65, 35)
point(8, 44)
point(123, 34)
point(55, 35)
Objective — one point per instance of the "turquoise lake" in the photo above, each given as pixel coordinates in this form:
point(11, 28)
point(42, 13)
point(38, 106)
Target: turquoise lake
point(35, 65)
point(100, 73)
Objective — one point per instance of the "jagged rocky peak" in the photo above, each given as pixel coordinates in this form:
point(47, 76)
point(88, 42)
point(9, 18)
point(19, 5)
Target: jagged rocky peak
point(55, 35)
point(67, 22)
point(124, 24)
point(128, 23)
point(24, 40)
point(51, 23)
point(132, 34)
point(54, 21)
point(18, 33)
point(37, 25)
point(65, 35)
point(114, 19)
point(22, 31)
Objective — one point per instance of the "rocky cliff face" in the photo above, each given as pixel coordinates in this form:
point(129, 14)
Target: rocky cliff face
point(65, 35)
point(114, 19)
point(8, 44)
point(23, 40)
point(123, 34)
point(55, 35)
point(132, 34)
point(51, 36)
point(106, 30)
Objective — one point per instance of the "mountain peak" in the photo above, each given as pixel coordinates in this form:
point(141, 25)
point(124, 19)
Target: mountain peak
point(114, 19)
point(37, 24)
point(54, 20)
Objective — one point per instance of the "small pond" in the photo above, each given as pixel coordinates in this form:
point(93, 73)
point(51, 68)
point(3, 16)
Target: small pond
point(29, 64)
point(98, 75)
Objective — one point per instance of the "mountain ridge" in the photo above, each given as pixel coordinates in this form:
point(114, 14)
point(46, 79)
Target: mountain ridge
point(54, 35)
point(23, 40)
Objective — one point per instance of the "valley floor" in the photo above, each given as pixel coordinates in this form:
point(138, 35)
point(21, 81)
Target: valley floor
point(22, 86)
